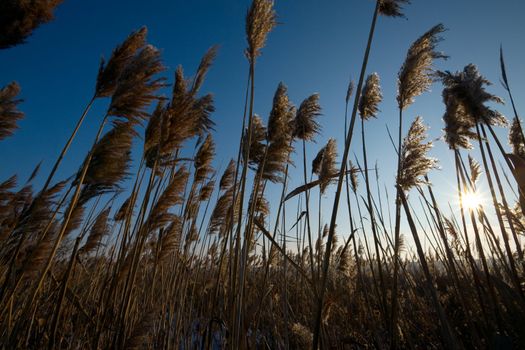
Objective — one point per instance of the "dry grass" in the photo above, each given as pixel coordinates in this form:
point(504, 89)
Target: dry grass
point(173, 254)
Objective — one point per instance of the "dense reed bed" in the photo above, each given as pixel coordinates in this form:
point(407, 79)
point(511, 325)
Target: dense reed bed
point(164, 251)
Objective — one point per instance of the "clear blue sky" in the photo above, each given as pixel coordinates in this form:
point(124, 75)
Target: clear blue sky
point(317, 46)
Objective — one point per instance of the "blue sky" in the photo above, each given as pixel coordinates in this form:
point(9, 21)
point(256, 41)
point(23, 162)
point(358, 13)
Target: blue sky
point(316, 48)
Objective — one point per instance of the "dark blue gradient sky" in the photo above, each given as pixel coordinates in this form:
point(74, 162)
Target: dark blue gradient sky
point(316, 48)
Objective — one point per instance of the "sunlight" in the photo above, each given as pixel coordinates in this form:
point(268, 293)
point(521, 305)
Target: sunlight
point(472, 200)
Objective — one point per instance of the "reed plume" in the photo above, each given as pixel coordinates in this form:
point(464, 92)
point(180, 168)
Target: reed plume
point(415, 76)
point(475, 169)
point(257, 146)
point(392, 8)
point(370, 97)
point(170, 239)
point(206, 191)
point(260, 21)
point(9, 114)
point(110, 73)
point(110, 158)
point(222, 212)
point(187, 114)
point(228, 176)
point(123, 210)
point(100, 229)
point(18, 19)
point(153, 134)
point(458, 125)
point(279, 136)
point(326, 165)
point(204, 66)
point(137, 86)
point(349, 91)
point(203, 159)
point(172, 195)
point(354, 181)
point(415, 163)
point(316, 162)
point(516, 140)
point(468, 88)
point(306, 125)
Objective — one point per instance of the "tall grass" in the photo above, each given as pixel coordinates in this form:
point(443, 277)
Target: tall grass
point(176, 254)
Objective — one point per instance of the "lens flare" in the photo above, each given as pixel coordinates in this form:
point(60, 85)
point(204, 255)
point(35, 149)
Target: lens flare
point(472, 200)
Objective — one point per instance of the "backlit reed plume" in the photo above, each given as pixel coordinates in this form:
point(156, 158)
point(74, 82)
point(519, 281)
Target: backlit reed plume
point(109, 74)
point(458, 125)
point(516, 140)
point(99, 230)
point(279, 136)
point(306, 125)
point(415, 76)
point(18, 19)
point(415, 163)
point(260, 21)
point(370, 97)
point(354, 181)
point(468, 87)
point(392, 8)
point(9, 115)
point(475, 169)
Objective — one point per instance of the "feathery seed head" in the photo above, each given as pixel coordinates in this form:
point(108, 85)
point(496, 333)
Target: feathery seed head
point(415, 162)
point(228, 176)
point(392, 8)
point(371, 97)
point(328, 168)
point(516, 140)
point(468, 88)
point(458, 125)
point(137, 86)
point(305, 123)
point(9, 115)
point(18, 19)
point(203, 159)
point(260, 21)
point(416, 74)
point(257, 148)
point(475, 169)
point(354, 182)
point(349, 90)
point(109, 74)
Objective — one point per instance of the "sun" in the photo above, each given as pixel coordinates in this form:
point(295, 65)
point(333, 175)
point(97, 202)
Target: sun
point(472, 199)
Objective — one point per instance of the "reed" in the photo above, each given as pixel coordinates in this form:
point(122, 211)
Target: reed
point(164, 246)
